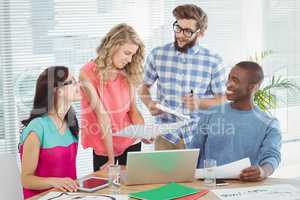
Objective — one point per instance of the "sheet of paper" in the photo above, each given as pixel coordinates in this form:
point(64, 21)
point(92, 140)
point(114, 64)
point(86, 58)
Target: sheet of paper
point(229, 171)
point(83, 196)
point(149, 131)
point(173, 112)
point(270, 192)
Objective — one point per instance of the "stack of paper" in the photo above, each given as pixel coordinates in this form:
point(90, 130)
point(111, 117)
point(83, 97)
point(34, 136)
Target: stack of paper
point(166, 192)
point(172, 112)
point(229, 171)
point(270, 192)
point(150, 131)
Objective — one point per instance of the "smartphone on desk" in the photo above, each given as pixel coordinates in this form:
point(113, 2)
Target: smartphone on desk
point(92, 184)
point(221, 182)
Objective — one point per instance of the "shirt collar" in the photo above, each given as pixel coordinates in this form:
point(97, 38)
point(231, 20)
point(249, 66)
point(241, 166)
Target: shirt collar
point(193, 50)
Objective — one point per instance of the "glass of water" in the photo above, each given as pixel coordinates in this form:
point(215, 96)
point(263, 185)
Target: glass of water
point(114, 178)
point(210, 172)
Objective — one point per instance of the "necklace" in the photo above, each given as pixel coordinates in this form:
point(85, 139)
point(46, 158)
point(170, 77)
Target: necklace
point(59, 124)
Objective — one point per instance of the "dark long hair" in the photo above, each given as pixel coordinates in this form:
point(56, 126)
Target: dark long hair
point(44, 98)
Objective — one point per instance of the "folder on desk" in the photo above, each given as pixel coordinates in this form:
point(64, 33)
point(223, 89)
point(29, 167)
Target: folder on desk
point(194, 196)
point(166, 192)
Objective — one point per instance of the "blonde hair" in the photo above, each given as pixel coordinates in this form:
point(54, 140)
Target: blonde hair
point(116, 37)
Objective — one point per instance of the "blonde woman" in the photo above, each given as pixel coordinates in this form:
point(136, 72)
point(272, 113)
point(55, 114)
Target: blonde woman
point(108, 102)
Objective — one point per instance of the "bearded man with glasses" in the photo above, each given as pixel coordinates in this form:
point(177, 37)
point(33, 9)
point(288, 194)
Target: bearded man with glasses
point(189, 76)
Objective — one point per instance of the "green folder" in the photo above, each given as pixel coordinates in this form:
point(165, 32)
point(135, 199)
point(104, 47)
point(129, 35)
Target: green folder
point(166, 192)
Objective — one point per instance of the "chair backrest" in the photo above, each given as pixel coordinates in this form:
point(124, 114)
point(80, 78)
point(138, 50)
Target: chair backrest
point(10, 180)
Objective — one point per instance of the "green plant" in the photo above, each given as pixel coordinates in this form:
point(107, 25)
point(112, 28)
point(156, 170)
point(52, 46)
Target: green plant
point(265, 97)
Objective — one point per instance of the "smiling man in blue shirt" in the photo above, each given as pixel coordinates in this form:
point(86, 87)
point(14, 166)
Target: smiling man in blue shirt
point(239, 129)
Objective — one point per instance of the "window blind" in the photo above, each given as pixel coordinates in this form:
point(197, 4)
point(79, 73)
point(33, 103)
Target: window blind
point(281, 29)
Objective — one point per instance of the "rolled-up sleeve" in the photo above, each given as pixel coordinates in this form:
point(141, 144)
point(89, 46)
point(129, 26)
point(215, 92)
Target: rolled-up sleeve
point(198, 129)
point(218, 77)
point(150, 74)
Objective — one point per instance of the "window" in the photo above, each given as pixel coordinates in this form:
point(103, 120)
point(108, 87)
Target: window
point(281, 30)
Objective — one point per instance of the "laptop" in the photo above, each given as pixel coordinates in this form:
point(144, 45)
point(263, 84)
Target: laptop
point(160, 166)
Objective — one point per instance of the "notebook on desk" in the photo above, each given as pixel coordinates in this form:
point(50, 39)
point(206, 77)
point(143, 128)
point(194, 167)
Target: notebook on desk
point(160, 167)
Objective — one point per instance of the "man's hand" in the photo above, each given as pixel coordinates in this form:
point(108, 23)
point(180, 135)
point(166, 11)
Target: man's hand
point(145, 96)
point(153, 109)
point(191, 102)
point(253, 173)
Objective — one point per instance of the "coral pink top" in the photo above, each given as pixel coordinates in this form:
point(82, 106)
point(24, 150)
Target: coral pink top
point(116, 99)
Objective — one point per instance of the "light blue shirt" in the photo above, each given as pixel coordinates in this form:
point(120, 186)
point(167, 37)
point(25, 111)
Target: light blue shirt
point(178, 73)
point(228, 134)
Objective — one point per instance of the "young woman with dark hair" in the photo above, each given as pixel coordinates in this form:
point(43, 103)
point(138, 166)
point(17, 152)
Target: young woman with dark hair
point(49, 139)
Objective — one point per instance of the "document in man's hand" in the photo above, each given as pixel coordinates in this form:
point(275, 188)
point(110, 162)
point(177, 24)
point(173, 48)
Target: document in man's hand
point(149, 131)
point(173, 112)
point(228, 171)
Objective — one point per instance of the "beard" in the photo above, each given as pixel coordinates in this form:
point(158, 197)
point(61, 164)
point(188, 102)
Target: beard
point(185, 47)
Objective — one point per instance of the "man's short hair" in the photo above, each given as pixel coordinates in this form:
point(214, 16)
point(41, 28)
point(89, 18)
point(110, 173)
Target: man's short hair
point(256, 74)
point(191, 11)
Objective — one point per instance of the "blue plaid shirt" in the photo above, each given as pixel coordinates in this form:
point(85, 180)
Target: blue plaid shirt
point(178, 73)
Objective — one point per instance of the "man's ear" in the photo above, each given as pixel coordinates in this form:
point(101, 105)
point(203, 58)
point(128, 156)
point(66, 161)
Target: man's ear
point(254, 87)
point(200, 35)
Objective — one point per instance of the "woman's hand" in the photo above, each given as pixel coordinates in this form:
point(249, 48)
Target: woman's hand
point(147, 141)
point(64, 184)
point(106, 165)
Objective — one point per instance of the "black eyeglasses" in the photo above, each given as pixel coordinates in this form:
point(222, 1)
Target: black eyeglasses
point(70, 82)
point(186, 31)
